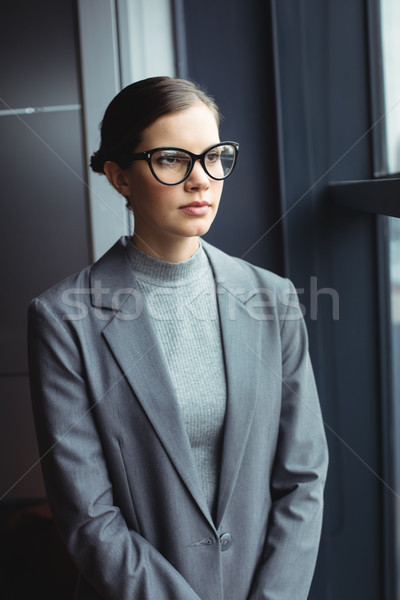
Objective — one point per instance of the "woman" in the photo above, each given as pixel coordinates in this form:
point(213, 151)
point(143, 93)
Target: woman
point(183, 449)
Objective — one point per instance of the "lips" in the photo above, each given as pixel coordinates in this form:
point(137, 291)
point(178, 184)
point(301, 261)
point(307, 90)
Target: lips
point(196, 209)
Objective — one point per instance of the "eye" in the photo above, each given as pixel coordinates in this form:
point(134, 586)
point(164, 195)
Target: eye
point(213, 156)
point(167, 160)
point(171, 159)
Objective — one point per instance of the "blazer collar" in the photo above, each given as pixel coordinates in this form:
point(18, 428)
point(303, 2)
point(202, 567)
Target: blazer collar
point(130, 338)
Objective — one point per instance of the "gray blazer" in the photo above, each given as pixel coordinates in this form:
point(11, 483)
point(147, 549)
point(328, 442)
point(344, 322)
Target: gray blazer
point(117, 463)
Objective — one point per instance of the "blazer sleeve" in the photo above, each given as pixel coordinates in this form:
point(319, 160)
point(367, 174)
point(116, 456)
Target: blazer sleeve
point(118, 562)
point(299, 472)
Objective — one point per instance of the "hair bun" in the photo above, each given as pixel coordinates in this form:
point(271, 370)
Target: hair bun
point(97, 162)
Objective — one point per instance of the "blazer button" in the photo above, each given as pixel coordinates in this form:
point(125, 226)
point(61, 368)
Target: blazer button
point(225, 541)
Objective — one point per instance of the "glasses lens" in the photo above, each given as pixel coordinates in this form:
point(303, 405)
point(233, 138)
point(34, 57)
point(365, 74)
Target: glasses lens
point(170, 165)
point(220, 160)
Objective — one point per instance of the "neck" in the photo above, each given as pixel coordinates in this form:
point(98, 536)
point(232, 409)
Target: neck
point(182, 250)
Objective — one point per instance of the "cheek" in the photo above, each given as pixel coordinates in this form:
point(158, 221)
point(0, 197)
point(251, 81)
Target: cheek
point(153, 201)
point(145, 191)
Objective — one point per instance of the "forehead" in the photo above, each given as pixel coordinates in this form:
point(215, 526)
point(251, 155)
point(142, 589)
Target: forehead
point(194, 128)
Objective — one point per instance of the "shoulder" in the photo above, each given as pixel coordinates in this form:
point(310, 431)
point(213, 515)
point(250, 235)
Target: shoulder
point(274, 296)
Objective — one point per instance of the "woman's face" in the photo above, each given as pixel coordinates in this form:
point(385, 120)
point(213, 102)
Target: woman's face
point(169, 218)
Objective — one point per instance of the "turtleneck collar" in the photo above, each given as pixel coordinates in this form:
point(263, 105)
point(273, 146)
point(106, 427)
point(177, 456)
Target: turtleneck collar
point(159, 272)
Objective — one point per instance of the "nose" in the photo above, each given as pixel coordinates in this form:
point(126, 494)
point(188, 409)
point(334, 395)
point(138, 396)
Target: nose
point(198, 178)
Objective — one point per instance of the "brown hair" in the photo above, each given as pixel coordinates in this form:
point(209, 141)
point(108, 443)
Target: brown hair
point(135, 108)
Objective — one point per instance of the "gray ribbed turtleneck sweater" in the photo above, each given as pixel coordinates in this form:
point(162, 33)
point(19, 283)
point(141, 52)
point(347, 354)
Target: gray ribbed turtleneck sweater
point(181, 299)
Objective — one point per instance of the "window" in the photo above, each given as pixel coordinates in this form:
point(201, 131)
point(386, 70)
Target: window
point(389, 165)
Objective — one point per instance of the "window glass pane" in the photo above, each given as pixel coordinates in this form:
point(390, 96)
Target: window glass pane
point(390, 23)
point(390, 36)
point(394, 254)
point(394, 270)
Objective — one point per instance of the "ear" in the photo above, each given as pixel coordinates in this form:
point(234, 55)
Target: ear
point(117, 177)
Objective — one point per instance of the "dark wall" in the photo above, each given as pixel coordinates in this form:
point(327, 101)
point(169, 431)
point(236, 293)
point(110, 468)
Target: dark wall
point(325, 115)
point(44, 225)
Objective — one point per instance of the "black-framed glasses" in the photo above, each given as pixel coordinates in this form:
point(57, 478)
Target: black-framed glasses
point(171, 166)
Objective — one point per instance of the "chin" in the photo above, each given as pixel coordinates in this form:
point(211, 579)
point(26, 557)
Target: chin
point(201, 228)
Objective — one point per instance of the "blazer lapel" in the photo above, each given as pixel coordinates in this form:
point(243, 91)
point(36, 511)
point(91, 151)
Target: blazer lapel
point(241, 338)
point(136, 349)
